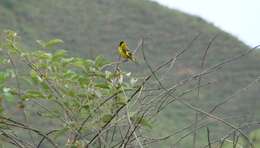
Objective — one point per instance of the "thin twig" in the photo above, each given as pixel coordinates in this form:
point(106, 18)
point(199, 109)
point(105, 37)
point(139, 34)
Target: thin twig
point(208, 136)
point(21, 125)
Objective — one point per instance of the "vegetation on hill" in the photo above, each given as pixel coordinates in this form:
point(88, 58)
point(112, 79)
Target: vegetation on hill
point(90, 28)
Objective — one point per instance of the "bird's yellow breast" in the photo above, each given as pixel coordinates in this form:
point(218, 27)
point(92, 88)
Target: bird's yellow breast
point(123, 53)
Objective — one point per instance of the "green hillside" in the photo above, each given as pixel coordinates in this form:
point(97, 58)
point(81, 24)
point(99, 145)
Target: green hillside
point(94, 27)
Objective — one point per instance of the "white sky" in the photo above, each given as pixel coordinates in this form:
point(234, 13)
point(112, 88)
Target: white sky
point(238, 17)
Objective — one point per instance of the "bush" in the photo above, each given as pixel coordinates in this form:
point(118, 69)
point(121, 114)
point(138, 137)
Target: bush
point(74, 95)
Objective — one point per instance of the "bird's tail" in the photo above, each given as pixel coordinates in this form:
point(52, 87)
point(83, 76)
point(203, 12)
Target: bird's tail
point(133, 59)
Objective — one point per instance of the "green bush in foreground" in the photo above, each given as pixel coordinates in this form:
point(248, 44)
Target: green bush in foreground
point(65, 96)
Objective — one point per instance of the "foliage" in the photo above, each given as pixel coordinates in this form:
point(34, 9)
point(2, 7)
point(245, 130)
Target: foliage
point(80, 94)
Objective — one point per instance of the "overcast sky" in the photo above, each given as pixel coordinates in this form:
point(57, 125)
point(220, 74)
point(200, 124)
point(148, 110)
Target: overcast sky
point(238, 17)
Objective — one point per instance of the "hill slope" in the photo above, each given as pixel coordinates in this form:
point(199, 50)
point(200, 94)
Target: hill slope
point(95, 27)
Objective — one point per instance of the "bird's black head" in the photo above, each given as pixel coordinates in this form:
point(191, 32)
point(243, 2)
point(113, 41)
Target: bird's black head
point(122, 42)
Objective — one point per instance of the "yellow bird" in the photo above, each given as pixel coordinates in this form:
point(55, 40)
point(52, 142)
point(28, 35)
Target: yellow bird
point(124, 51)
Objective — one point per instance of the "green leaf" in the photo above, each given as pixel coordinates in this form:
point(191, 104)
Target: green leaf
point(89, 63)
point(103, 85)
point(71, 93)
point(108, 74)
point(50, 43)
point(69, 74)
point(120, 100)
point(142, 121)
point(35, 77)
point(11, 35)
point(45, 86)
point(1, 110)
point(41, 43)
point(53, 42)
point(100, 61)
point(106, 118)
point(42, 55)
point(78, 62)
point(8, 95)
point(3, 76)
point(2, 60)
point(32, 94)
point(58, 55)
point(61, 132)
point(84, 81)
point(86, 107)
point(74, 146)
point(98, 93)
